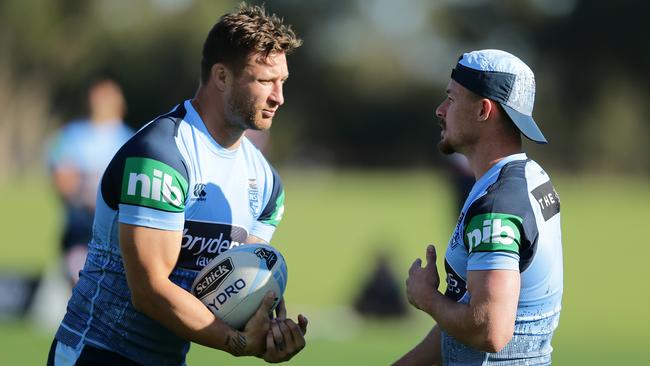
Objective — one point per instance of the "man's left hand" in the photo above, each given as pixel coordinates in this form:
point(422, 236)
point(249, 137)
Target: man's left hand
point(285, 339)
point(281, 310)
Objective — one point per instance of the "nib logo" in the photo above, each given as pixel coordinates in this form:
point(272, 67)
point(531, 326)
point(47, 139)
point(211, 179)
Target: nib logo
point(493, 232)
point(151, 183)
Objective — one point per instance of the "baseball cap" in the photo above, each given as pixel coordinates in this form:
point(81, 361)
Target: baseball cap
point(504, 78)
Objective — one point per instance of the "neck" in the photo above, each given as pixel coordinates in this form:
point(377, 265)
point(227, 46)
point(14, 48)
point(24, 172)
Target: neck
point(210, 107)
point(100, 118)
point(484, 156)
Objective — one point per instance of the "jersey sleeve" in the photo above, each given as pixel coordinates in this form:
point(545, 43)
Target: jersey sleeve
point(272, 213)
point(499, 227)
point(147, 180)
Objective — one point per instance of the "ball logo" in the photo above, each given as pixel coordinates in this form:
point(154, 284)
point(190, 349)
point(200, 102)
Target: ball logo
point(268, 255)
point(227, 293)
point(214, 278)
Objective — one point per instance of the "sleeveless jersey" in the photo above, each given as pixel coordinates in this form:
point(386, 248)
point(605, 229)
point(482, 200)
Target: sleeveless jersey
point(170, 175)
point(511, 221)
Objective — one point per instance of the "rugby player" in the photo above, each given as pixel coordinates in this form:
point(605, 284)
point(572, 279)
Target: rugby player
point(186, 187)
point(504, 259)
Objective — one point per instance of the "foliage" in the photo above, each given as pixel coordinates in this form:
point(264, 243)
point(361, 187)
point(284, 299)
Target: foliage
point(364, 86)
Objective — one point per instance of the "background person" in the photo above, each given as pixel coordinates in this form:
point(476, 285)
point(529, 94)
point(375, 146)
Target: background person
point(77, 157)
point(504, 259)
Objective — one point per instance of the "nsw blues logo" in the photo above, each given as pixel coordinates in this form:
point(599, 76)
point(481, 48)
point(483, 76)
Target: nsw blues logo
point(253, 197)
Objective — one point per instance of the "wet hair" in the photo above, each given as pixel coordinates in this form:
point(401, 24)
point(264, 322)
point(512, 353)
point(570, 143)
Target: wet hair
point(243, 32)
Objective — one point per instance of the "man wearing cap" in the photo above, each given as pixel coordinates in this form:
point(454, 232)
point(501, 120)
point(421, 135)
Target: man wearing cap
point(504, 259)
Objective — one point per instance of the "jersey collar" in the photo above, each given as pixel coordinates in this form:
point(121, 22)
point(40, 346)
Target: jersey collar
point(490, 176)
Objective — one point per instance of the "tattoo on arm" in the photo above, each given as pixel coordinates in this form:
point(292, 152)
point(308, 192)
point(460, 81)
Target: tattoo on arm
point(236, 344)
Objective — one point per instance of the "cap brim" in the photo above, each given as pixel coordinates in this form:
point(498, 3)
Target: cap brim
point(525, 124)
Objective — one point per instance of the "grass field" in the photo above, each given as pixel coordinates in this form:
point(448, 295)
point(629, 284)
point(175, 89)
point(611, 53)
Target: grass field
point(335, 225)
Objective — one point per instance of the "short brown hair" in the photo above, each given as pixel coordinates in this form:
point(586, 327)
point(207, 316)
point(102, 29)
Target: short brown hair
point(245, 31)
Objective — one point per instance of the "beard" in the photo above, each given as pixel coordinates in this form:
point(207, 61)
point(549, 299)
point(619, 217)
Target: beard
point(445, 147)
point(241, 111)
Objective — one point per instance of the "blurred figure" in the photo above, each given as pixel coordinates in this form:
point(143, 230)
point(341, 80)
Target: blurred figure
point(461, 176)
point(381, 295)
point(77, 157)
point(504, 259)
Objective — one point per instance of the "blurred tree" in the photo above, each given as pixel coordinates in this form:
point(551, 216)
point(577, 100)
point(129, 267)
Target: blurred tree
point(50, 50)
point(364, 87)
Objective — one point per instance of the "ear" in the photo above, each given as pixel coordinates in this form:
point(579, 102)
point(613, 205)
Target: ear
point(220, 75)
point(487, 109)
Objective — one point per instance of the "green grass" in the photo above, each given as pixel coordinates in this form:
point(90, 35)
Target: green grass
point(338, 222)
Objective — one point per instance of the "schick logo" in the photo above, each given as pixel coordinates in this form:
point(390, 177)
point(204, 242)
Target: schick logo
point(151, 183)
point(493, 232)
point(213, 278)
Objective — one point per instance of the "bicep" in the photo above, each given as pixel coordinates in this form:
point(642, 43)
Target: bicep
point(149, 255)
point(495, 293)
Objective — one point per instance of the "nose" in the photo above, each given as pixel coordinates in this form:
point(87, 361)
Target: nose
point(442, 109)
point(276, 97)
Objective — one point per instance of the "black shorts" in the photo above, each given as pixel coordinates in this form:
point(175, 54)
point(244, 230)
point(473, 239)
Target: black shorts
point(89, 356)
point(78, 229)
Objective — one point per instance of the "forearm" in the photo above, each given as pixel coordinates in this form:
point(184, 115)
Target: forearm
point(487, 322)
point(186, 316)
point(426, 352)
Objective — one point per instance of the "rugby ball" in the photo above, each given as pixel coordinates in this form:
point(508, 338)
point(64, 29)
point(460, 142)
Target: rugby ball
point(233, 284)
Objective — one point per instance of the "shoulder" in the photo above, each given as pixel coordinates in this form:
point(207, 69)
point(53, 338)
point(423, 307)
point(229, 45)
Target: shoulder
point(150, 155)
point(76, 128)
point(508, 194)
point(157, 138)
point(543, 191)
point(498, 220)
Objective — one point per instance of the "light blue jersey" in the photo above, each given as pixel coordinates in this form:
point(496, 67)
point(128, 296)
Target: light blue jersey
point(511, 221)
point(88, 148)
point(171, 175)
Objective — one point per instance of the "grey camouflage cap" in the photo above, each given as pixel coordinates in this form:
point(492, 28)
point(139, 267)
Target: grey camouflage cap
point(504, 78)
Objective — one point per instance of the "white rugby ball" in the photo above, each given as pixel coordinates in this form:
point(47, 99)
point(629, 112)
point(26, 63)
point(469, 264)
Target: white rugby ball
point(233, 284)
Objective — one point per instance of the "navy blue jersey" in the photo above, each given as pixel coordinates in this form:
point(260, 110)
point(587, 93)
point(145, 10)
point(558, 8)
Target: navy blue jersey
point(171, 175)
point(510, 221)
